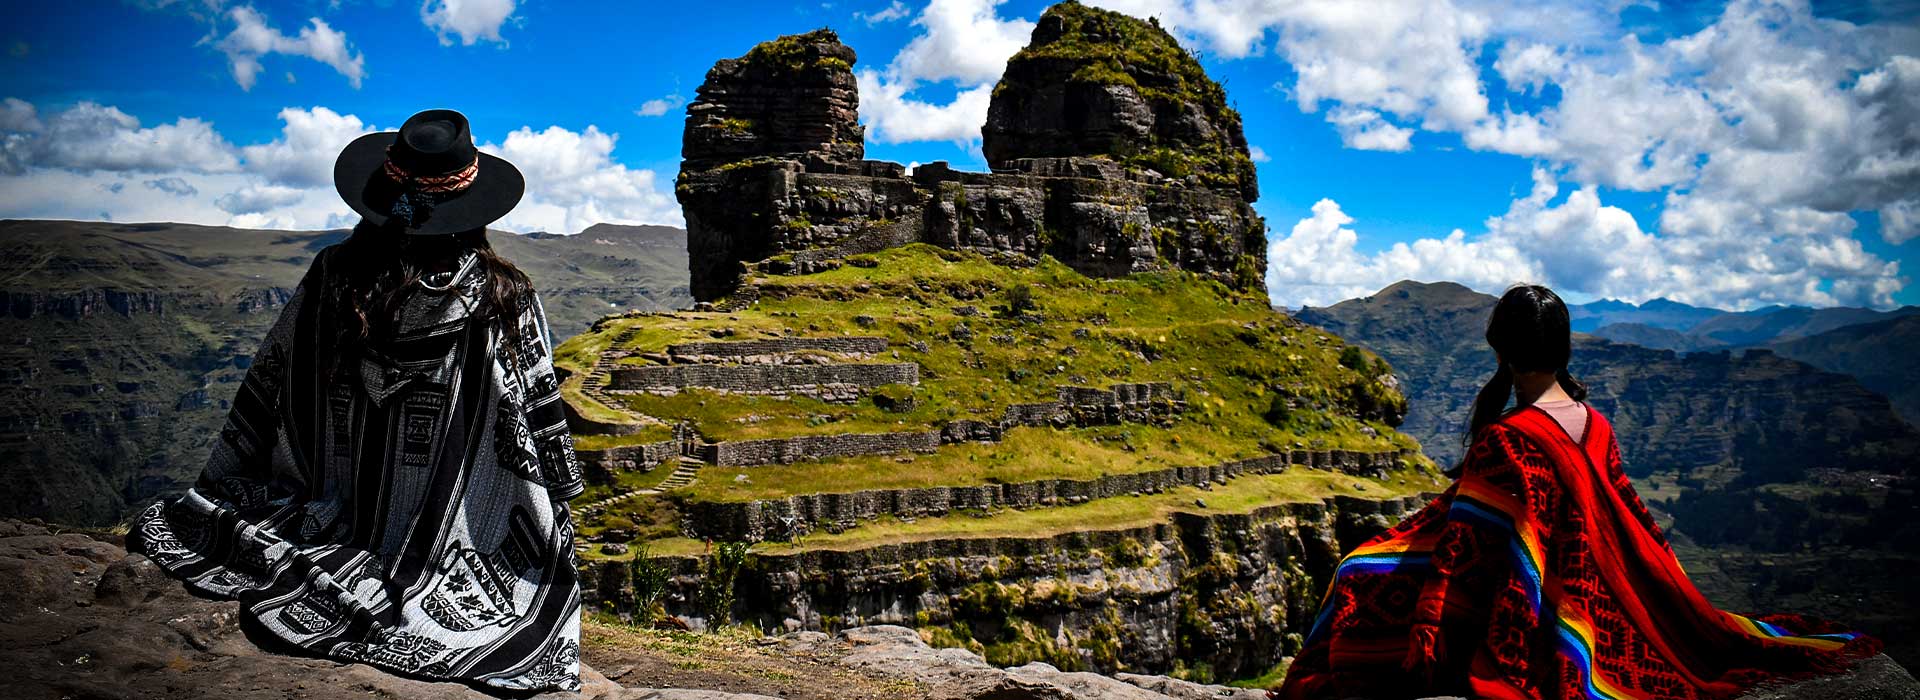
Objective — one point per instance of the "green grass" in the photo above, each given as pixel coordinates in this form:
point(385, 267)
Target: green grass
point(1226, 351)
point(1241, 495)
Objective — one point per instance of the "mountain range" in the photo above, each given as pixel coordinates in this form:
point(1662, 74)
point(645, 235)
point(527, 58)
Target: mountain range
point(124, 342)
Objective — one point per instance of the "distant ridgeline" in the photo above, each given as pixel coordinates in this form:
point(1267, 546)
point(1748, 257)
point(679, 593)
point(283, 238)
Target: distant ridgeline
point(1112, 151)
point(1045, 413)
point(1796, 483)
point(124, 343)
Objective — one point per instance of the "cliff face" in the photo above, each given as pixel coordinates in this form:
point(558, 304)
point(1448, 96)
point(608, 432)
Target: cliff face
point(1099, 84)
point(1112, 151)
point(1228, 592)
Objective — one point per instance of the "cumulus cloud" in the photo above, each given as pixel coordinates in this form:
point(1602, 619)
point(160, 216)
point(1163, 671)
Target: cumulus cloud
point(471, 21)
point(1579, 244)
point(1767, 130)
point(573, 182)
point(1258, 154)
point(660, 106)
point(252, 38)
point(960, 42)
point(892, 116)
point(309, 142)
point(186, 172)
point(90, 136)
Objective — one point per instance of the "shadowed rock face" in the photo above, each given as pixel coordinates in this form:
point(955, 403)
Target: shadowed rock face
point(1112, 151)
point(1100, 84)
point(788, 97)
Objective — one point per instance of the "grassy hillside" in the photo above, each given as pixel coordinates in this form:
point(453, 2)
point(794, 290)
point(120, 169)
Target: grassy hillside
point(987, 336)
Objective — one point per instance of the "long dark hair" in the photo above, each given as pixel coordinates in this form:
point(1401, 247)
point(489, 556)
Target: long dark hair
point(372, 272)
point(1531, 331)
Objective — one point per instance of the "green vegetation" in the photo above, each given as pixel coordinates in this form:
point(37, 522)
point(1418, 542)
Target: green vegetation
point(717, 577)
point(1233, 358)
point(789, 54)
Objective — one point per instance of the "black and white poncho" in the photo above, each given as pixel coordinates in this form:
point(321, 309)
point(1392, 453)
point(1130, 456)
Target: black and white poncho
point(407, 510)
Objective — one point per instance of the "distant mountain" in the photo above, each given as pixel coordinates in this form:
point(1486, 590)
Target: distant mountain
point(1770, 468)
point(121, 344)
point(1671, 325)
point(1656, 337)
point(1658, 313)
point(1781, 323)
point(1882, 355)
point(1755, 410)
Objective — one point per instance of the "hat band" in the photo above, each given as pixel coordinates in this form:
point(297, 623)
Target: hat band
point(456, 181)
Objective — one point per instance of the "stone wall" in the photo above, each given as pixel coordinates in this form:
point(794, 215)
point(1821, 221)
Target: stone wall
point(741, 350)
point(1235, 591)
point(601, 465)
point(742, 453)
point(779, 519)
point(832, 382)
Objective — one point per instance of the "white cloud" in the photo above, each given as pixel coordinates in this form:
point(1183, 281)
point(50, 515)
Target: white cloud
point(1258, 154)
point(471, 20)
point(1364, 129)
point(660, 106)
point(1581, 245)
point(89, 136)
point(573, 183)
point(258, 199)
point(894, 117)
point(93, 162)
point(309, 142)
point(1900, 221)
point(252, 38)
point(961, 42)
point(896, 11)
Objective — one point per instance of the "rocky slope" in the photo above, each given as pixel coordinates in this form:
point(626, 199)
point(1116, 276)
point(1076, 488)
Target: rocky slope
point(81, 618)
point(124, 342)
point(1879, 354)
point(1793, 486)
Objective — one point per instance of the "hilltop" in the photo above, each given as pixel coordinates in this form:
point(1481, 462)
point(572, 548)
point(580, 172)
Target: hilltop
point(124, 342)
point(1043, 413)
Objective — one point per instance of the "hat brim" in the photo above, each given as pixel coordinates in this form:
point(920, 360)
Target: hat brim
point(360, 177)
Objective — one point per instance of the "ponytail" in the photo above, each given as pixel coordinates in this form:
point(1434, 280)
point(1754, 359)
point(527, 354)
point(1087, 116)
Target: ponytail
point(1574, 388)
point(1491, 401)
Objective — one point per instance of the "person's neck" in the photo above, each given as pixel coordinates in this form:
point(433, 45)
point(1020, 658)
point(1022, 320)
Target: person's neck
point(1533, 387)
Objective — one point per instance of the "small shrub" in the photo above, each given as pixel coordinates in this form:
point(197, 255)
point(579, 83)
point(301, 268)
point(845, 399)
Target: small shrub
point(649, 583)
point(1353, 358)
point(1020, 298)
point(716, 592)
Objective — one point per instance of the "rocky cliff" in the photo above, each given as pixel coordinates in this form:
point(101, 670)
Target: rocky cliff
point(1112, 151)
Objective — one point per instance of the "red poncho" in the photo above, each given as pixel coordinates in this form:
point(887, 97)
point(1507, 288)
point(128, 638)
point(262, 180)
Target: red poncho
point(1539, 574)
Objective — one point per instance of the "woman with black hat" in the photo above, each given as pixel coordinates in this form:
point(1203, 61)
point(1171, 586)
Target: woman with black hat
point(391, 485)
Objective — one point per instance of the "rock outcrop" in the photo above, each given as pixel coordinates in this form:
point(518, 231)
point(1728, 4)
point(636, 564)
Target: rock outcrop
point(1111, 150)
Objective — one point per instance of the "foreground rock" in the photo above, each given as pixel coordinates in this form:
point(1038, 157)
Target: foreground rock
point(80, 618)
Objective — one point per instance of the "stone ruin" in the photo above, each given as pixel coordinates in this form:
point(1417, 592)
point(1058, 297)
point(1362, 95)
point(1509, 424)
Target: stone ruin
point(1110, 150)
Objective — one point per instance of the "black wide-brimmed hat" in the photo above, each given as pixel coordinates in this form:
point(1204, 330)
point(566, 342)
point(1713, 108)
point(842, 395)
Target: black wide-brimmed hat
point(426, 178)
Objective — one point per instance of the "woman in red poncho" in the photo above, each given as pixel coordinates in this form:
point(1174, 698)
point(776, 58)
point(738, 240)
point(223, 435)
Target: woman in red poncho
point(1539, 573)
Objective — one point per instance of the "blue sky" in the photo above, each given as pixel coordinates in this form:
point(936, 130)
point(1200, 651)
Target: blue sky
point(1731, 155)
